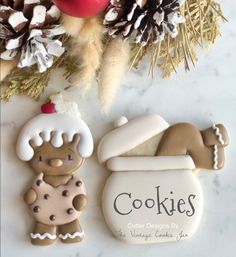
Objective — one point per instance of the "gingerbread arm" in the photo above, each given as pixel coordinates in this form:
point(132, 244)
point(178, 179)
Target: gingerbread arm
point(80, 202)
point(30, 196)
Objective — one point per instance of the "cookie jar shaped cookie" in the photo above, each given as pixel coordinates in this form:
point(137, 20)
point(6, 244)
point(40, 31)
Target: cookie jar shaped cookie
point(55, 145)
point(153, 195)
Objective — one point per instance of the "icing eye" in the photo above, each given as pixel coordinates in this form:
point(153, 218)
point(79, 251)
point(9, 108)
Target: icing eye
point(40, 159)
point(69, 157)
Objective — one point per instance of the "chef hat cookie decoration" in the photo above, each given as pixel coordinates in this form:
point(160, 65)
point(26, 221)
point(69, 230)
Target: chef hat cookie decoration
point(55, 145)
point(152, 194)
point(60, 117)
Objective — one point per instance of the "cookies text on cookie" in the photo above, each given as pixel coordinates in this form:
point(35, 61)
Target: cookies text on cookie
point(164, 205)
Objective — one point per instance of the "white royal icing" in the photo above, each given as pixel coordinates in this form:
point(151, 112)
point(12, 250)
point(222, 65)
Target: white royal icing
point(218, 134)
point(71, 236)
point(131, 134)
point(215, 147)
point(43, 236)
point(63, 106)
point(58, 123)
point(140, 163)
point(215, 157)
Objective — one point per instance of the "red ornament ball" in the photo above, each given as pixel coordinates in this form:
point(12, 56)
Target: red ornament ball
point(49, 107)
point(81, 8)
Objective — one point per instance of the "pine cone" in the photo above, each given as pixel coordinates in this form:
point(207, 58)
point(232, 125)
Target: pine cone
point(28, 28)
point(146, 21)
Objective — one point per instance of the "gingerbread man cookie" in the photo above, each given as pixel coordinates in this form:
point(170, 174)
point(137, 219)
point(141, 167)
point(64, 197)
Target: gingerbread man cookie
point(55, 145)
point(153, 195)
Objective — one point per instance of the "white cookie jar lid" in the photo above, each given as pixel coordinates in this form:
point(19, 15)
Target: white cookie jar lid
point(129, 134)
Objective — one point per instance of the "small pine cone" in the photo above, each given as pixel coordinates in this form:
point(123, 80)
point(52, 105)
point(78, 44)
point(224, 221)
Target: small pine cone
point(145, 21)
point(28, 28)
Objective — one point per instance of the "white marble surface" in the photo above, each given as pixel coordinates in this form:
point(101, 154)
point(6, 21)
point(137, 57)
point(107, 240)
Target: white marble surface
point(207, 94)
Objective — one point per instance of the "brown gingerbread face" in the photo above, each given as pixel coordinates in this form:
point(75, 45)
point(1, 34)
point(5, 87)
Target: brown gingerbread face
point(59, 161)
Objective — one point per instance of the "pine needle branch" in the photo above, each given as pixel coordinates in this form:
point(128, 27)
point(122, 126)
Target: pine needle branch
point(30, 82)
point(201, 28)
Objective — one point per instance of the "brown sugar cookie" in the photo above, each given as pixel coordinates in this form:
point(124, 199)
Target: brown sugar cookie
point(55, 145)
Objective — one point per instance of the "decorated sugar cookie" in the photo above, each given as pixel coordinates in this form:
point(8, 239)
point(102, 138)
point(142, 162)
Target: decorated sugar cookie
point(55, 145)
point(153, 195)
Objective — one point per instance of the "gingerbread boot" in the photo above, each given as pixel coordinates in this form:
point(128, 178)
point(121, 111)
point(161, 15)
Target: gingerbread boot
point(215, 135)
point(71, 232)
point(43, 234)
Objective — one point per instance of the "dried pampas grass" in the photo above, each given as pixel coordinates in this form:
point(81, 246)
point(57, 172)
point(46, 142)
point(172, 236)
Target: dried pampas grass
point(114, 64)
point(6, 68)
point(72, 25)
point(87, 45)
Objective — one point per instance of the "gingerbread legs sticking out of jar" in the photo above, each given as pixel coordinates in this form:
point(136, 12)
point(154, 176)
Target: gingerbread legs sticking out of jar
point(55, 145)
point(206, 147)
point(153, 195)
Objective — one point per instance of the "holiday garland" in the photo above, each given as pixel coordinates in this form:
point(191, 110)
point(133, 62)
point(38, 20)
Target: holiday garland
point(166, 31)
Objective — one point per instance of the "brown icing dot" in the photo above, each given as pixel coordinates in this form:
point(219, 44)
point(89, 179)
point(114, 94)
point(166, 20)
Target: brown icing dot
point(46, 196)
point(78, 183)
point(39, 182)
point(36, 209)
point(70, 210)
point(65, 193)
point(52, 217)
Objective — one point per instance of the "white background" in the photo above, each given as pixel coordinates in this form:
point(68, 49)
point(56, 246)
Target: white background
point(205, 95)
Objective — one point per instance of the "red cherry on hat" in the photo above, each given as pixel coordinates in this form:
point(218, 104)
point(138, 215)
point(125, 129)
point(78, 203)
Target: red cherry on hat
point(49, 107)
